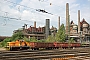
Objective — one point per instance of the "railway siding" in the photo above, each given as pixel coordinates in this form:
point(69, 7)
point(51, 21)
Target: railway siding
point(56, 54)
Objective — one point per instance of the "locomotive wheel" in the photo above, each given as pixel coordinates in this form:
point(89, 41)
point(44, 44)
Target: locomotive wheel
point(10, 48)
point(32, 48)
point(37, 48)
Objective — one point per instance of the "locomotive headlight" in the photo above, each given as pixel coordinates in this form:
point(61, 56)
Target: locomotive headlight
point(19, 44)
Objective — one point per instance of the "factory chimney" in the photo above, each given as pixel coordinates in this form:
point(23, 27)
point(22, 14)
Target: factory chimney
point(35, 24)
point(78, 21)
point(67, 18)
point(58, 22)
point(47, 27)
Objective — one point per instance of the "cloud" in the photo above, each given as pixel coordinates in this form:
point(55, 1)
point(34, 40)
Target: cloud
point(28, 12)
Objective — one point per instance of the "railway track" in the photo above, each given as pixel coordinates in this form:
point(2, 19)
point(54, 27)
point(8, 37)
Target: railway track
point(56, 54)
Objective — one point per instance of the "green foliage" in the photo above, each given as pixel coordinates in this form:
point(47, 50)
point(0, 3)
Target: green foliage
point(26, 39)
point(43, 40)
point(0, 44)
point(32, 39)
point(50, 39)
point(4, 42)
point(14, 37)
point(60, 36)
point(71, 40)
point(18, 35)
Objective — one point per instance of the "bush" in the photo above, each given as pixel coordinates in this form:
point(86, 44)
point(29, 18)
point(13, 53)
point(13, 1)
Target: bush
point(71, 40)
point(4, 42)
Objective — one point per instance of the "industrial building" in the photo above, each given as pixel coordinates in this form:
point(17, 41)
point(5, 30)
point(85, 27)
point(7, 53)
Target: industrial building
point(39, 33)
point(83, 35)
point(32, 31)
point(80, 32)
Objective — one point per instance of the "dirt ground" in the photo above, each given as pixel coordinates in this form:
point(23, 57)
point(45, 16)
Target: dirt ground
point(2, 49)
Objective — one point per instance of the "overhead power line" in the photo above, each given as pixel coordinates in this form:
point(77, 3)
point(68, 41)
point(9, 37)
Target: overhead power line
point(15, 18)
point(40, 10)
point(19, 4)
point(28, 7)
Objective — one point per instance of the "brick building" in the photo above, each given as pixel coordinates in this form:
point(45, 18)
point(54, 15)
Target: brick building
point(39, 33)
point(32, 31)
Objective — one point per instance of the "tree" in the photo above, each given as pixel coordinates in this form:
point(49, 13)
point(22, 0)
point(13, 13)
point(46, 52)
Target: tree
point(18, 35)
point(60, 35)
point(4, 42)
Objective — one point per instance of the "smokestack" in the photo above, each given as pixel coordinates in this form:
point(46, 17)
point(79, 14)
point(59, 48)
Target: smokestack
point(58, 22)
point(26, 26)
point(78, 21)
point(47, 27)
point(35, 24)
point(67, 18)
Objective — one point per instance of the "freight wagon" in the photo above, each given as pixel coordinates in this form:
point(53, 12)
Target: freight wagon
point(55, 45)
point(38, 45)
point(66, 45)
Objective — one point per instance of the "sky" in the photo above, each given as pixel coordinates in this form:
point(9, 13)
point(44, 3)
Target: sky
point(15, 13)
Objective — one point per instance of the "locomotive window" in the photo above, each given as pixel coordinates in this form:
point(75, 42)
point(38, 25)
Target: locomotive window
point(7, 44)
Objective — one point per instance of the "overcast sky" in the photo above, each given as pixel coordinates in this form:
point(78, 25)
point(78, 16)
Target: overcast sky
point(24, 12)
